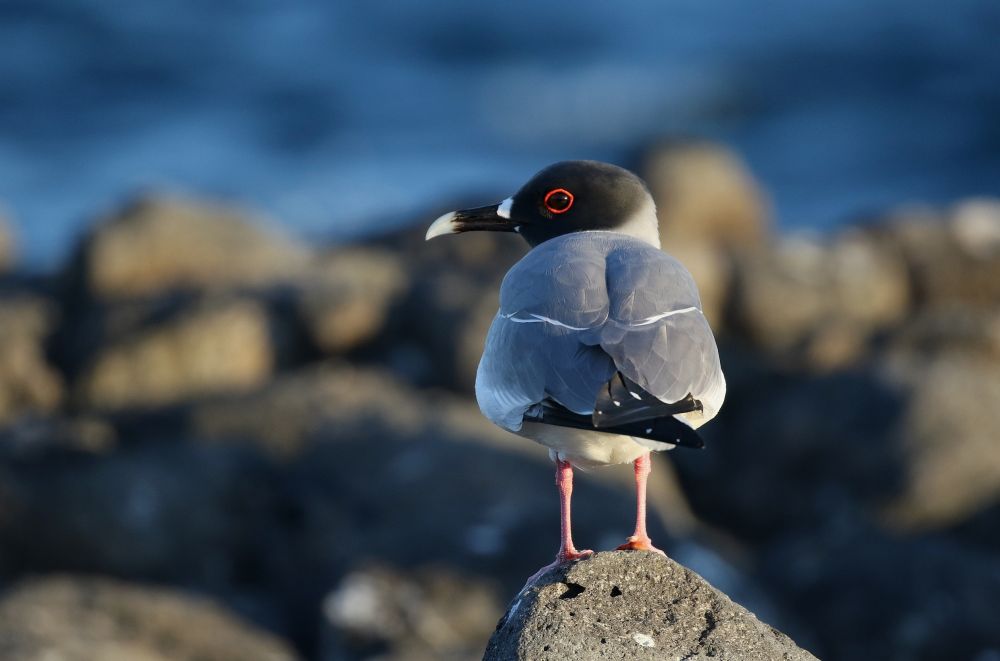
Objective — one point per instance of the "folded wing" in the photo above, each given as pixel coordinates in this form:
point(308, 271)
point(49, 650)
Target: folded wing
point(580, 308)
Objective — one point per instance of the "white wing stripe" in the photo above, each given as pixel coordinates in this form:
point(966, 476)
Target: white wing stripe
point(539, 319)
point(655, 318)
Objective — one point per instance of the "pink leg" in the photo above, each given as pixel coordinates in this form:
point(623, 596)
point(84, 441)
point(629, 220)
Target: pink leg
point(640, 541)
point(567, 551)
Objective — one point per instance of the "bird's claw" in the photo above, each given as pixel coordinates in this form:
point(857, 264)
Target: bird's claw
point(639, 544)
point(562, 558)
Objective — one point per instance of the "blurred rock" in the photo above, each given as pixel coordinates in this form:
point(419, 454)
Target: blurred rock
point(947, 440)
point(951, 328)
point(791, 452)
point(951, 259)
point(621, 605)
point(447, 319)
point(38, 435)
point(82, 619)
point(704, 193)
point(347, 300)
point(28, 384)
point(180, 512)
point(822, 300)
point(162, 243)
point(975, 224)
point(866, 595)
point(213, 347)
point(426, 615)
point(7, 244)
point(300, 406)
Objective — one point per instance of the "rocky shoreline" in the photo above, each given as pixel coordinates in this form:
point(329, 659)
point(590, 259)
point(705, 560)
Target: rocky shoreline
point(198, 404)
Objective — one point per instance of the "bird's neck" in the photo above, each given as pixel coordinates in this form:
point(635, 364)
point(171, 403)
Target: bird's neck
point(643, 225)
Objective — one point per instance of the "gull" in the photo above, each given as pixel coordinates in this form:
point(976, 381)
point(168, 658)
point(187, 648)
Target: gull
point(599, 350)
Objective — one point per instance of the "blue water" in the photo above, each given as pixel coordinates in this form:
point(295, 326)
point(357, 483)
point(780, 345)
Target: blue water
point(337, 118)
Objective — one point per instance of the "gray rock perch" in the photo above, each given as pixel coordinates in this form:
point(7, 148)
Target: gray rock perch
point(628, 605)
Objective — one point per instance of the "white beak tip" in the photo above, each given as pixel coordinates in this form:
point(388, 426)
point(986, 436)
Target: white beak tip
point(443, 225)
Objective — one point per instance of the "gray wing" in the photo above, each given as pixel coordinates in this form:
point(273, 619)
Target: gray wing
point(578, 308)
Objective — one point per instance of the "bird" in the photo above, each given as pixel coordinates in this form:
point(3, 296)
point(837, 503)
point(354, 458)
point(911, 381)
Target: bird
point(599, 350)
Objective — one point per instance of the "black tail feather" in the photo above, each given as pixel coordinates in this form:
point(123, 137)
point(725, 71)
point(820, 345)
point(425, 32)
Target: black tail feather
point(622, 401)
point(666, 429)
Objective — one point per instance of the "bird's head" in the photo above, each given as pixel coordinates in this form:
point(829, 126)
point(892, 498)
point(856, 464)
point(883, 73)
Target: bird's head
point(571, 196)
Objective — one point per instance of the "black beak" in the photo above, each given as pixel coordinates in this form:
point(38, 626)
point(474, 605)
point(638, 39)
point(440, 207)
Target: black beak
point(493, 218)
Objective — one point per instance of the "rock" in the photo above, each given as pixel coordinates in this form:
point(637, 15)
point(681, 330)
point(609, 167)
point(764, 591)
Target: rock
point(820, 300)
point(704, 193)
point(794, 451)
point(180, 512)
point(955, 258)
point(8, 248)
point(347, 301)
point(299, 407)
point(622, 605)
point(157, 244)
point(946, 440)
point(28, 384)
point(868, 595)
point(215, 346)
point(950, 328)
point(37, 435)
point(427, 614)
point(81, 619)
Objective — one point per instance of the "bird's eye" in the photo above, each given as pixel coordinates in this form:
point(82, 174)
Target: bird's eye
point(558, 200)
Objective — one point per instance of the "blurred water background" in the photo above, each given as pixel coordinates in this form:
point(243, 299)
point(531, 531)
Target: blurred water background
point(236, 385)
point(338, 117)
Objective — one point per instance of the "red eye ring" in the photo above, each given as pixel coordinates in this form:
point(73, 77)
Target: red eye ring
point(557, 191)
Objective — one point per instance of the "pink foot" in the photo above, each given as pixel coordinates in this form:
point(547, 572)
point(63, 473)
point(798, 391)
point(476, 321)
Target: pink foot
point(639, 544)
point(562, 558)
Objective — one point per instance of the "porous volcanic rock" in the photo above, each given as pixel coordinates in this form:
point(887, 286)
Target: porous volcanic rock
point(625, 605)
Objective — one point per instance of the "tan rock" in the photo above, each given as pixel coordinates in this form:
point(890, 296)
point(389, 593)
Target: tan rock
point(347, 301)
point(803, 291)
point(82, 619)
point(162, 243)
point(953, 257)
point(947, 439)
point(704, 192)
point(217, 347)
point(28, 384)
